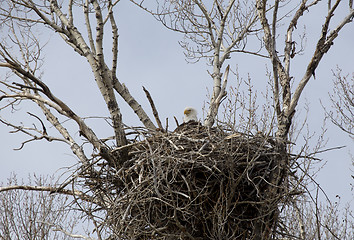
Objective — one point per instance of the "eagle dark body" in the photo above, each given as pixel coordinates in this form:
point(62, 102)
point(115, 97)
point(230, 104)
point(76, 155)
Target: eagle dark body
point(189, 126)
point(195, 129)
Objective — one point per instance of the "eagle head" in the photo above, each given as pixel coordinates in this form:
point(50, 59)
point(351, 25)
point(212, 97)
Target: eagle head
point(190, 114)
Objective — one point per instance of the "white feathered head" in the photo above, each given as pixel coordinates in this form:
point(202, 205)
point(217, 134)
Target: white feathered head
point(190, 114)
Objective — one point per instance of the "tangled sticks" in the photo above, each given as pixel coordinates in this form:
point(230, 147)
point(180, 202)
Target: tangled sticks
point(197, 183)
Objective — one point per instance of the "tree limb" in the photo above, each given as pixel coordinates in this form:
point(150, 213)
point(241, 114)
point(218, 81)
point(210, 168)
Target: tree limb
point(323, 45)
point(154, 110)
point(49, 189)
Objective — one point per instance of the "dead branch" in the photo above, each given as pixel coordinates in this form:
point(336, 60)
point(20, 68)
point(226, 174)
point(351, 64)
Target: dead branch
point(75, 193)
point(285, 113)
point(154, 110)
point(57, 227)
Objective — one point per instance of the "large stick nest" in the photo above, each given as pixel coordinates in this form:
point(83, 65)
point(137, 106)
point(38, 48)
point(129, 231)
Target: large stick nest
point(196, 183)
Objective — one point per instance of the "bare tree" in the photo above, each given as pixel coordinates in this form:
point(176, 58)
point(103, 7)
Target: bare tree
point(342, 99)
point(213, 31)
point(35, 214)
point(199, 182)
point(221, 28)
point(310, 219)
point(20, 17)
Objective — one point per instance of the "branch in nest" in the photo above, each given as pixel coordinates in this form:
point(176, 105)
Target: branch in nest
point(176, 121)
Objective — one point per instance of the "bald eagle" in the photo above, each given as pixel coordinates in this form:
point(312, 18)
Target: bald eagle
point(190, 120)
point(190, 114)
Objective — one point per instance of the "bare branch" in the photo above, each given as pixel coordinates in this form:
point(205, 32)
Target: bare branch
point(115, 39)
point(282, 73)
point(75, 193)
point(323, 45)
point(125, 94)
point(154, 110)
point(60, 229)
point(28, 131)
point(88, 133)
point(70, 11)
point(88, 26)
point(342, 99)
point(215, 102)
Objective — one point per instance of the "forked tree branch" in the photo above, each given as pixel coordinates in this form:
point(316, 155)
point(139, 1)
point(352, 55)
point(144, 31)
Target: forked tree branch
point(281, 71)
point(88, 133)
point(323, 45)
point(105, 78)
point(215, 102)
point(213, 30)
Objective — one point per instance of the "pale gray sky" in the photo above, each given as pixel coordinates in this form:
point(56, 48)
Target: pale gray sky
point(149, 55)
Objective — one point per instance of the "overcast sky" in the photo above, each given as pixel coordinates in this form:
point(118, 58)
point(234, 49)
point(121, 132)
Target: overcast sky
point(150, 56)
